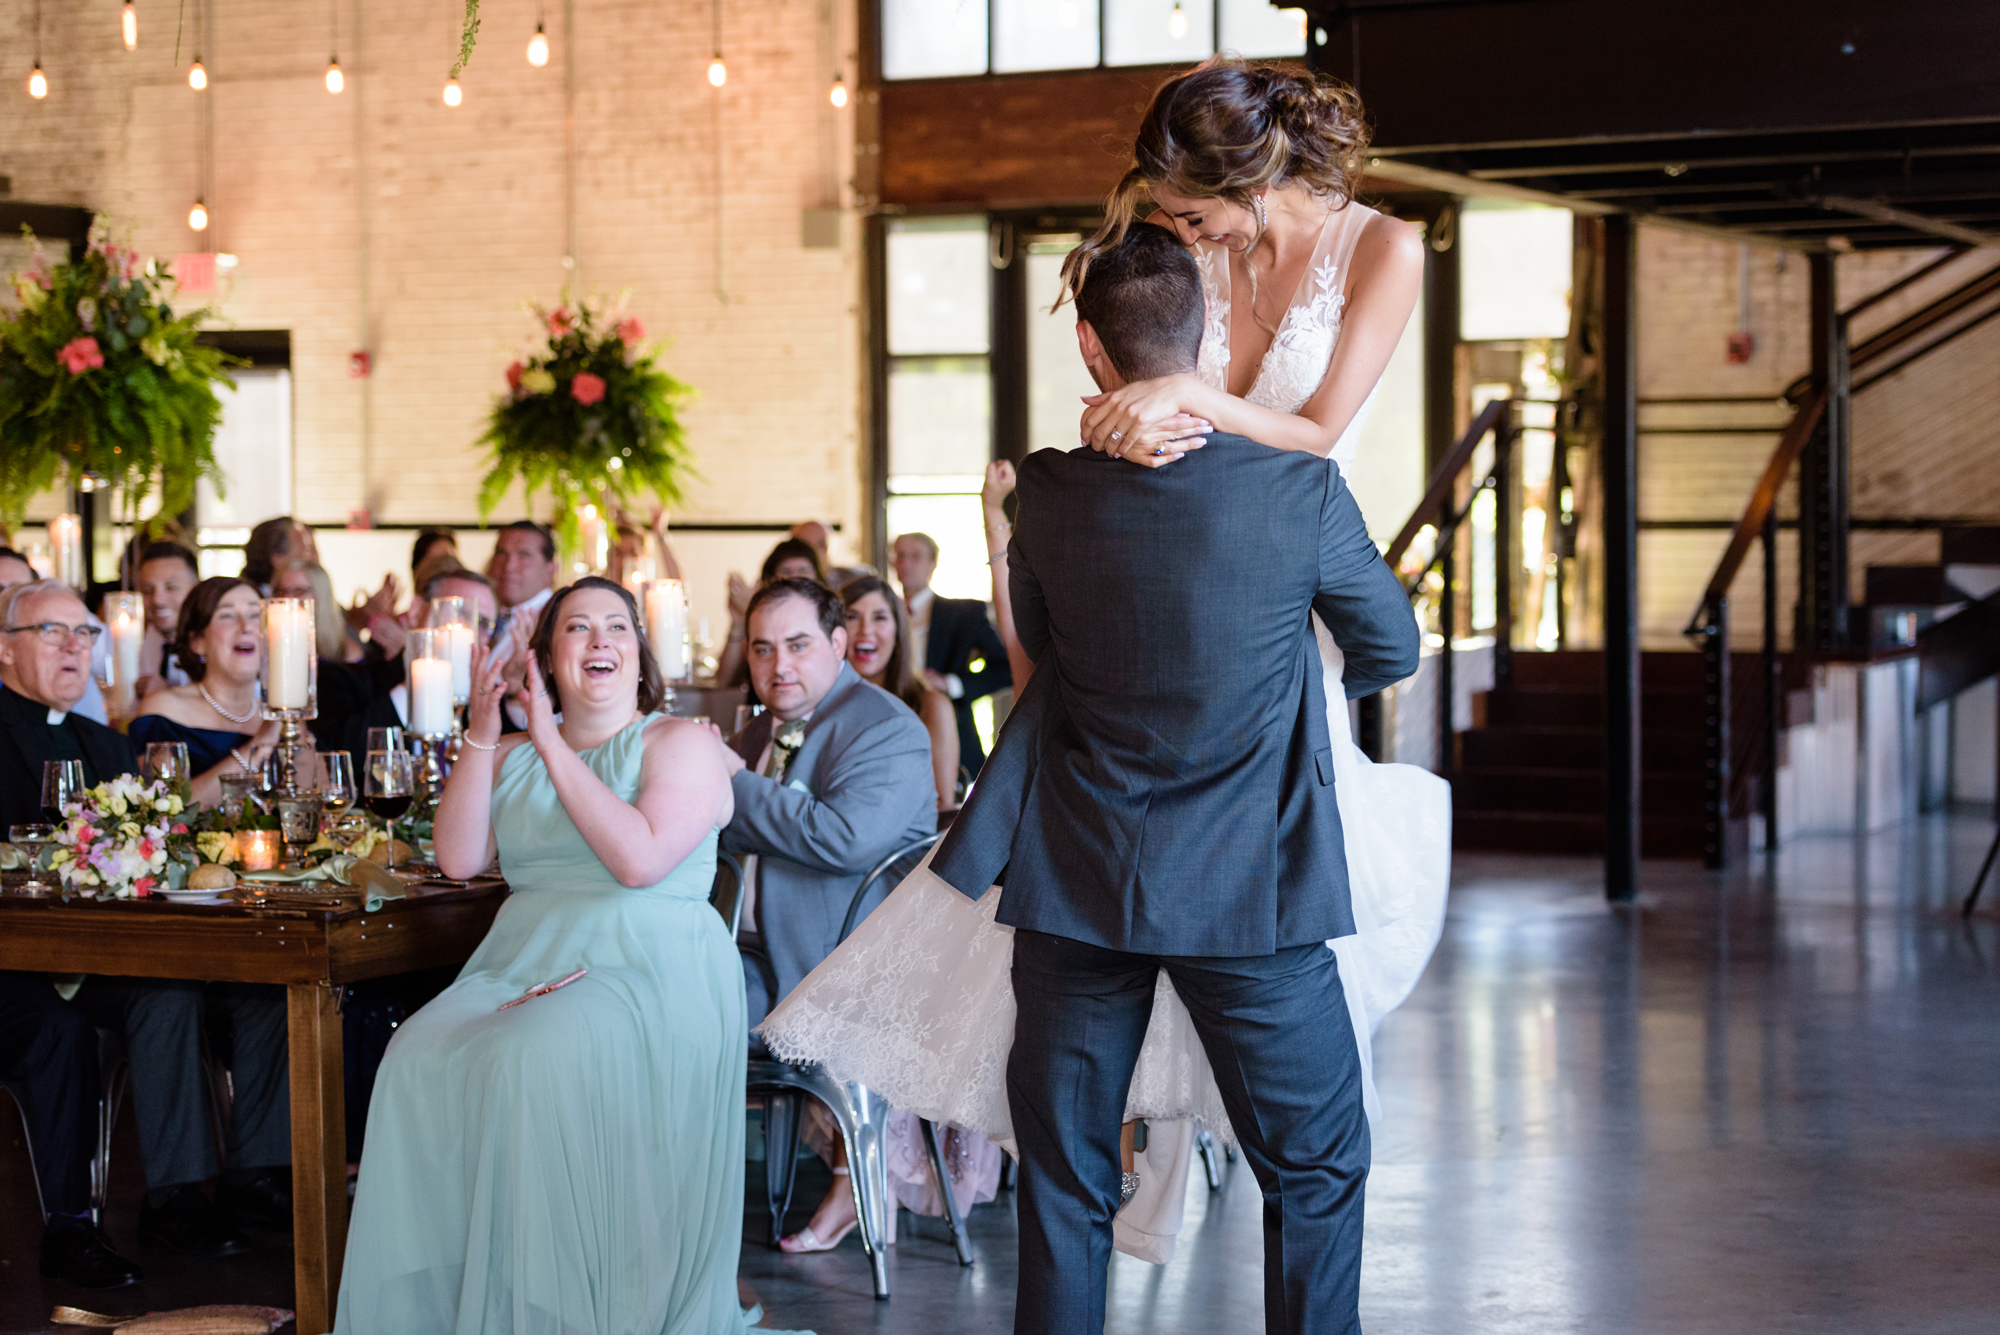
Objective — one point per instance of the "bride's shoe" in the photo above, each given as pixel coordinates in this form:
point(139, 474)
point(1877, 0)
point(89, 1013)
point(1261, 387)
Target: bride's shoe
point(805, 1240)
point(1127, 1187)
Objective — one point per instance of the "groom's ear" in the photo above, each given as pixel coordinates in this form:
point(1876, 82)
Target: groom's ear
point(1092, 349)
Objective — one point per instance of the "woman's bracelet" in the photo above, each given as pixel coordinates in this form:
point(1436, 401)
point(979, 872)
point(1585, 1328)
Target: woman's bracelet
point(478, 746)
point(242, 760)
point(997, 556)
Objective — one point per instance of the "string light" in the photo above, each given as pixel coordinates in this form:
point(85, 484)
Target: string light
point(129, 23)
point(1177, 23)
point(538, 48)
point(718, 73)
point(197, 76)
point(38, 84)
point(198, 217)
point(838, 95)
point(453, 94)
point(335, 80)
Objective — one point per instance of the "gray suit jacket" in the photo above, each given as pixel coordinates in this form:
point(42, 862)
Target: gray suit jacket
point(859, 788)
point(1165, 782)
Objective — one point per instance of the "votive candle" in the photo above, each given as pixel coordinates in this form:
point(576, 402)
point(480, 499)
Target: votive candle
point(257, 850)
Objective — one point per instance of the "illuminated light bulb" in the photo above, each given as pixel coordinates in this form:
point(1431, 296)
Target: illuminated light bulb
point(335, 80)
point(538, 48)
point(718, 73)
point(453, 94)
point(129, 23)
point(838, 96)
point(197, 76)
point(1177, 24)
point(38, 84)
point(198, 217)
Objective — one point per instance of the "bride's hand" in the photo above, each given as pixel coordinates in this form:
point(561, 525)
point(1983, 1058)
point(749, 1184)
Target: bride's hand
point(483, 724)
point(1145, 421)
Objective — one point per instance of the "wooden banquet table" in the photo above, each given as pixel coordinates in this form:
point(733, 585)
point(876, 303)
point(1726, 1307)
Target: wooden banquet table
point(313, 952)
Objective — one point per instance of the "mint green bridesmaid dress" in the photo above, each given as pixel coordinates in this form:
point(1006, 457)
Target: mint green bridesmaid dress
point(572, 1165)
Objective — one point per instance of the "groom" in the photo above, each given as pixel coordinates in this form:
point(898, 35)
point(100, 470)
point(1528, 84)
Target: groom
point(1162, 798)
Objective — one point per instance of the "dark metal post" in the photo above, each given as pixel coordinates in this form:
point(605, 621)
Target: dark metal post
point(1447, 622)
point(1441, 327)
point(84, 503)
point(1621, 561)
point(1773, 693)
point(1715, 737)
point(876, 258)
point(1505, 561)
point(1008, 358)
point(1822, 610)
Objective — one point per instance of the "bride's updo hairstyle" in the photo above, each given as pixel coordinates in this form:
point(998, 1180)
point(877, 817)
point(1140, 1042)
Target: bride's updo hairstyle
point(1227, 129)
point(652, 686)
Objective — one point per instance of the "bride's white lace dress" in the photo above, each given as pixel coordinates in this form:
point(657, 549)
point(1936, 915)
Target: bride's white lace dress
point(918, 1002)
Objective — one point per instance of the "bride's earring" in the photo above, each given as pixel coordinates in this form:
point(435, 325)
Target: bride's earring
point(1263, 219)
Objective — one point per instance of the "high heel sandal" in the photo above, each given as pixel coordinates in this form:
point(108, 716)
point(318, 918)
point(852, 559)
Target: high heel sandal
point(805, 1240)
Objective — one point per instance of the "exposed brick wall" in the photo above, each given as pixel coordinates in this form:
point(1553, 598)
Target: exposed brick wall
point(466, 218)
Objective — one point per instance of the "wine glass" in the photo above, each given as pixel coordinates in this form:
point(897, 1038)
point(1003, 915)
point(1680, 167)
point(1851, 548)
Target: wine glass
point(62, 782)
point(386, 790)
point(337, 792)
point(34, 838)
point(167, 762)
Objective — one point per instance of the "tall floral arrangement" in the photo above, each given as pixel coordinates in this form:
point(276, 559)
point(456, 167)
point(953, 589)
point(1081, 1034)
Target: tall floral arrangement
point(99, 376)
point(588, 415)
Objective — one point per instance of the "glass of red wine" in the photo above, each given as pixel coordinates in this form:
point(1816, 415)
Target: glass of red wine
point(386, 788)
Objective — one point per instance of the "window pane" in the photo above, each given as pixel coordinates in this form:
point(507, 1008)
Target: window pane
point(1257, 28)
point(1056, 376)
point(923, 39)
point(1514, 272)
point(1158, 32)
point(1044, 34)
point(940, 417)
point(953, 522)
point(939, 282)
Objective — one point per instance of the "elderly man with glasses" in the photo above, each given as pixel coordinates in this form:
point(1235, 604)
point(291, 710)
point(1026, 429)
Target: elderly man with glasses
point(45, 647)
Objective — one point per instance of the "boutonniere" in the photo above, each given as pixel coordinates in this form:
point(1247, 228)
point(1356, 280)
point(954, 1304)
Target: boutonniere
point(785, 744)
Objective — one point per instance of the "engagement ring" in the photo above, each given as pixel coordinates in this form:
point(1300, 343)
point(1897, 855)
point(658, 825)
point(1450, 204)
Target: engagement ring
point(1118, 435)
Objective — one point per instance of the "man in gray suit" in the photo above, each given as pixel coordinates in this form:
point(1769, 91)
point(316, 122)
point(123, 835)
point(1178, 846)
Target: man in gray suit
point(833, 777)
point(1162, 798)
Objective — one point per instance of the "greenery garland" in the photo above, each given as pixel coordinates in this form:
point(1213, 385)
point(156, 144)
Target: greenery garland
point(587, 417)
point(100, 378)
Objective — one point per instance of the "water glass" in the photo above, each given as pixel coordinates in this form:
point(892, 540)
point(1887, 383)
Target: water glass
point(167, 762)
point(34, 838)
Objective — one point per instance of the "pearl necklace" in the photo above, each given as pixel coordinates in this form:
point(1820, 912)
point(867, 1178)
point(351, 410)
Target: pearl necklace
point(216, 705)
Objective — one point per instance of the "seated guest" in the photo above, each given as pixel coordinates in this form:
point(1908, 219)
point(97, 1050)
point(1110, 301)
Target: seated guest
point(44, 660)
point(391, 709)
point(431, 543)
point(14, 570)
point(834, 777)
point(271, 544)
point(167, 573)
point(304, 579)
point(794, 558)
point(218, 714)
point(816, 535)
point(957, 650)
point(878, 648)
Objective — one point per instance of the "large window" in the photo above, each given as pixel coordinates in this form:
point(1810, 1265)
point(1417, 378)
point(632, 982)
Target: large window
point(1057, 380)
point(927, 39)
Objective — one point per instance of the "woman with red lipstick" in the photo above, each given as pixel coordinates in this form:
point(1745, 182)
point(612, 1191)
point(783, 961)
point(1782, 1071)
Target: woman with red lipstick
point(878, 633)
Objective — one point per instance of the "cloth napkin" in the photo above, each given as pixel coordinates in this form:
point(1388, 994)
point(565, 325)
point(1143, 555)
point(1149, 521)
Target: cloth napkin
point(377, 884)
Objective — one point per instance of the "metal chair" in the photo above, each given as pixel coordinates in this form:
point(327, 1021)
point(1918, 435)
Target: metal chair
point(726, 897)
point(861, 1114)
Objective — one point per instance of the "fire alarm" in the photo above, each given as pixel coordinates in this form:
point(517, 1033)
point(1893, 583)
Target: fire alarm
point(1741, 344)
point(357, 366)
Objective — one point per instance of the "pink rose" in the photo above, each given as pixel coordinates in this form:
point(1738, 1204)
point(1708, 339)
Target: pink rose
point(559, 322)
point(514, 378)
point(586, 389)
point(81, 355)
point(631, 330)
point(143, 886)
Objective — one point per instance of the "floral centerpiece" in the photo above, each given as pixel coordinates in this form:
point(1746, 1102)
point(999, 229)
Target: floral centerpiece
point(587, 416)
point(100, 377)
point(119, 838)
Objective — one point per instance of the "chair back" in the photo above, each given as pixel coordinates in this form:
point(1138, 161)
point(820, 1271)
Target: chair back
point(726, 897)
point(898, 864)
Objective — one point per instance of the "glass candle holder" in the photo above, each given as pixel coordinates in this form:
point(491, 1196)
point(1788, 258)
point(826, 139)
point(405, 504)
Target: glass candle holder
point(458, 620)
point(291, 660)
point(125, 616)
point(257, 850)
point(66, 550)
point(667, 627)
point(430, 682)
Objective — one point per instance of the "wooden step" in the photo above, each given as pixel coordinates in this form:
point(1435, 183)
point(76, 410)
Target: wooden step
point(1573, 748)
point(1584, 668)
point(1539, 708)
point(1673, 795)
point(1535, 832)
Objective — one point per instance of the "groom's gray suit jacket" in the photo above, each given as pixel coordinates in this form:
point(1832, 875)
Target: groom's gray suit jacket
point(1165, 782)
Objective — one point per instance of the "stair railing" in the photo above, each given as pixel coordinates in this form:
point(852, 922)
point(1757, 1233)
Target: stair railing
point(1441, 511)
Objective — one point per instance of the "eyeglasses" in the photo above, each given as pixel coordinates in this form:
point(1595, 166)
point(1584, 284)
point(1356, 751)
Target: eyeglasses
point(55, 632)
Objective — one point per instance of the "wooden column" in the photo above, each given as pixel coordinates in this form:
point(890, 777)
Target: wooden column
point(1621, 561)
point(319, 1152)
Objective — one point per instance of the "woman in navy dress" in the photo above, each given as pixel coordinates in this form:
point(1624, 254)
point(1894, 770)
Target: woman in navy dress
point(218, 713)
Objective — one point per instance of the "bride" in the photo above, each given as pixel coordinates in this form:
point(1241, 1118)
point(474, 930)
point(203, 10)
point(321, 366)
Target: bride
point(1308, 291)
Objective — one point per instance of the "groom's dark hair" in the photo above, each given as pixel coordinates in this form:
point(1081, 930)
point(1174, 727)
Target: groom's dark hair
point(1143, 297)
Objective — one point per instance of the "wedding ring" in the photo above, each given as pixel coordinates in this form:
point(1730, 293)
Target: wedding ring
point(1118, 435)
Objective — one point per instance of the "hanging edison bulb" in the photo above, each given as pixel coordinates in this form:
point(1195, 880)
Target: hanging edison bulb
point(538, 48)
point(335, 80)
point(128, 23)
point(198, 217)
point(1177, 23)
point(453, 94)
point(718, 73)
point(38, 83)
point(197, 76)
point(838, 94)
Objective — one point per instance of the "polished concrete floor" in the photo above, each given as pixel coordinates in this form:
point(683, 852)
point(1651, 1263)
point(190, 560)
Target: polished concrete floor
point(1755, 1102)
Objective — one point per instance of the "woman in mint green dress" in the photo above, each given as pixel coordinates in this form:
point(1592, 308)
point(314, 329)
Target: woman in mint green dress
point(572, 1165)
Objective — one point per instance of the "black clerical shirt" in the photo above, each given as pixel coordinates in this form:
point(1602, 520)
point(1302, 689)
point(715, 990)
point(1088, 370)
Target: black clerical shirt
point(28, 739)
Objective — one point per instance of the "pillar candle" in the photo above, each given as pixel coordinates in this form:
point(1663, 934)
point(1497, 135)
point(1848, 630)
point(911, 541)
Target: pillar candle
point(288, 625)
point(126, 616)
point(666, 626)
point(66, 549)
point(458, 650)
point(430, 696)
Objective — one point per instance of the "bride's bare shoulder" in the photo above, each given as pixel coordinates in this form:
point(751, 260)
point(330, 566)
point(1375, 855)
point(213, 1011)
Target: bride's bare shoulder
point(1389, 245)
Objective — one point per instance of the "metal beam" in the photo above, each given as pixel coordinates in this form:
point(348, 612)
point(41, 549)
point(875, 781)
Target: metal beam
point(1620, 469)
point(1916, 222)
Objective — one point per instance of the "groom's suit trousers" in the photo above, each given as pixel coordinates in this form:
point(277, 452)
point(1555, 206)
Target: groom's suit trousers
point(1276, 1031)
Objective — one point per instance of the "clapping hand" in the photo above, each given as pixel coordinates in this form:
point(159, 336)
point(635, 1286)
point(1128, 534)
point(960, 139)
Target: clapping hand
point(533, 698)
point(489, 688)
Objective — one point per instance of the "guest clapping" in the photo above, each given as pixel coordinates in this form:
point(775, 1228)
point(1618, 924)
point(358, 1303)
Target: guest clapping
point(957, 651)
point(794, 558)
point(878, 649)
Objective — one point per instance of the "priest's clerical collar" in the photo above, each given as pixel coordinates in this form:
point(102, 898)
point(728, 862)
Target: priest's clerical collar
point(56, 716)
